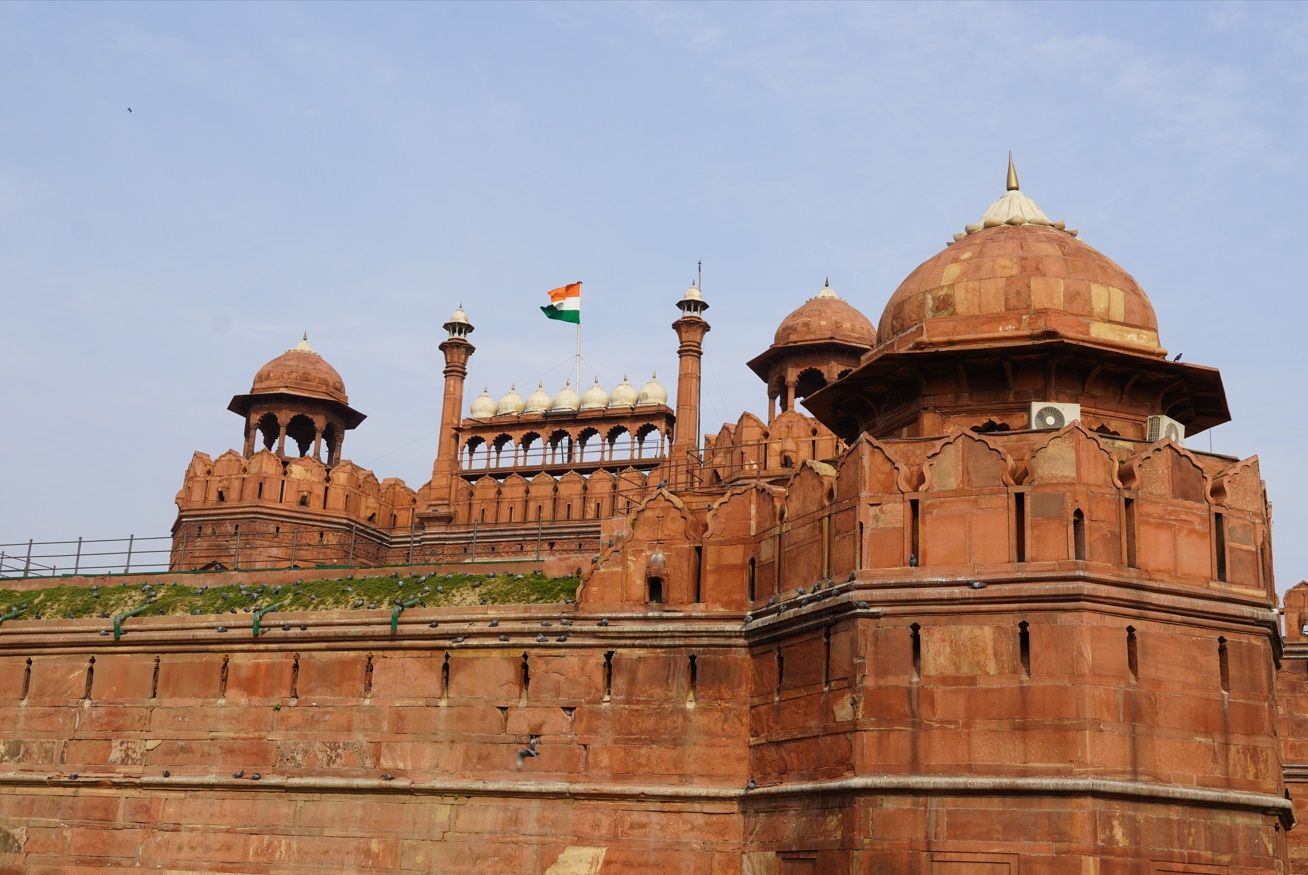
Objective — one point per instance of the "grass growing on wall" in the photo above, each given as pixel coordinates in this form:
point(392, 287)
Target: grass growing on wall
point(354, 592)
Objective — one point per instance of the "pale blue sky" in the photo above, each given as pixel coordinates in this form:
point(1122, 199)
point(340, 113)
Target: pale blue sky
point(357, 170)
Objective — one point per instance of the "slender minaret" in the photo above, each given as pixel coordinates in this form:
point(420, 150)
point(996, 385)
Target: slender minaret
point(457, 350)
point(690, 328)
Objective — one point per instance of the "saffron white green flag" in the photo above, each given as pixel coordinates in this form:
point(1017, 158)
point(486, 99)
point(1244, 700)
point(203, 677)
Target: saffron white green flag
point(565, 303)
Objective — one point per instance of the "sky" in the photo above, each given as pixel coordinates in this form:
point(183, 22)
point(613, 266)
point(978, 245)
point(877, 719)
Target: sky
point(357, 171)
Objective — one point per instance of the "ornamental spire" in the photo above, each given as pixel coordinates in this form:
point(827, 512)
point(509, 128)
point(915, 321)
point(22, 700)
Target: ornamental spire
point(1012, 174)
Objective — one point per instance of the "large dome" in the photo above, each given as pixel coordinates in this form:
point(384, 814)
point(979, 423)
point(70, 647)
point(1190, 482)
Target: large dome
point(300, 371)
point(1015, 274)
point(1022, 280)
point(825, 318)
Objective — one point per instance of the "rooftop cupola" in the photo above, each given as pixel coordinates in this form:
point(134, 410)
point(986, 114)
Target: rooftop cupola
point(297, 395)
point(458, 324)
point(692, 303)
point(813, 346)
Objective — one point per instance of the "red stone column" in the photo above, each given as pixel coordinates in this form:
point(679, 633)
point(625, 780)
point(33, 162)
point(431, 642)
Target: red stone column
point(690, 328)
point(457, 350)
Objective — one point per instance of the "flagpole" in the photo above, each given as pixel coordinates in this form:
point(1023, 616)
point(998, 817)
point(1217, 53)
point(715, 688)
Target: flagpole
point(577, 385)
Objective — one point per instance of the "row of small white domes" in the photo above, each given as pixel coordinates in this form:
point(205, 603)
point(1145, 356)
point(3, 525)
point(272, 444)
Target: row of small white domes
point(568, 401)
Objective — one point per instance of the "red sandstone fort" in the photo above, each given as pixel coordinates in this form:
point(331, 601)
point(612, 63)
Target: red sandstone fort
point(968, 600)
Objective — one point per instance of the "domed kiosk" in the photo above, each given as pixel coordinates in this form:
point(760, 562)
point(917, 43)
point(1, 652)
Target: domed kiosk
point(1016, 312)
point(817, 344)
point(297, 395)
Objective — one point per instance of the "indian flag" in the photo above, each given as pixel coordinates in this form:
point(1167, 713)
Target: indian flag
point(565, 303)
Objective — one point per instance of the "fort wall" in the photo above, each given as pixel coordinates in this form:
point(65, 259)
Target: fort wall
point(863, 729)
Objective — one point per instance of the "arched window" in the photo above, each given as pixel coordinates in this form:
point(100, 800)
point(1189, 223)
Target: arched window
point(560, 448)
point(269, 430)
point(471, 450)
point(649, 442)
point(808, 382)
point(654, 590)
point(533, 449)
point(1078, 535)
point(619, 443)
point(589, 447)
point(301, 430)
point(504, 453)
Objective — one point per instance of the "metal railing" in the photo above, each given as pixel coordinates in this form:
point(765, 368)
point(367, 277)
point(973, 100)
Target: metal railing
point(208, 545)
point(85, 556)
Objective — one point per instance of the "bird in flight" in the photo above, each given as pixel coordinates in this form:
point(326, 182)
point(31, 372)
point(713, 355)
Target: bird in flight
point(129, 109)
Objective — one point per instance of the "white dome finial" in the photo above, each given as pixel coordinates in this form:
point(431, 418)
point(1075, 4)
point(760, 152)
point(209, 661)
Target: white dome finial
point(1012, 208)
point(652, 392)
point(566, 401)
point(511, 403)
point(483, 406)
point(538, 401)
point(624, 394)
point(594, 398)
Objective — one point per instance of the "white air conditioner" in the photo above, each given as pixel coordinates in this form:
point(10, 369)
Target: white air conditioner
point(1049, 414)
point(1161, 427)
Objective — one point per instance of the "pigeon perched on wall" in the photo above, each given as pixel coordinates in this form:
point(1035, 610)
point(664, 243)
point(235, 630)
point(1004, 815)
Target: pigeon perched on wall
point(528, 751)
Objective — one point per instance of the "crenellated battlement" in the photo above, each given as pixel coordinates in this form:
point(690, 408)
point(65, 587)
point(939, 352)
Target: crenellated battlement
point(964, 505)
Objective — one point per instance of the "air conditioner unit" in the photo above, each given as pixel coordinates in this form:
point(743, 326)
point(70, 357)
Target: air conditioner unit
point(1161, 427)
point(1049, 414)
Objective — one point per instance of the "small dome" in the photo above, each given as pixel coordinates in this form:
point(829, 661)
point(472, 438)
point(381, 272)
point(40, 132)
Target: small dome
point(566, 401)
point(693, 303)
point(458, 325)
point(652, 393)
point(594, 398)
point(483, 406)
point(511, 403)
point(826, 317)
point(624, 394)
point(300, 371)
point(538, 401)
